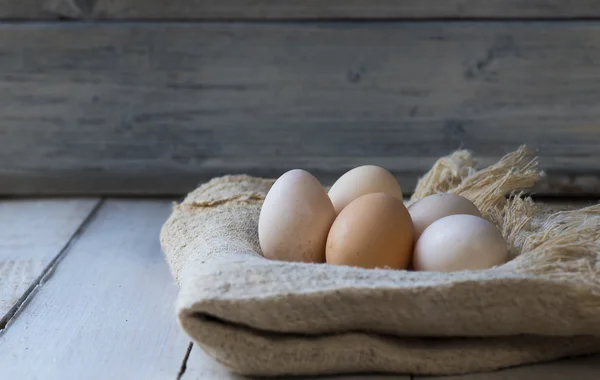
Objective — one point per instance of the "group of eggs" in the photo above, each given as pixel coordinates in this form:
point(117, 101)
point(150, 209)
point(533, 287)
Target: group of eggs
point(362, 222)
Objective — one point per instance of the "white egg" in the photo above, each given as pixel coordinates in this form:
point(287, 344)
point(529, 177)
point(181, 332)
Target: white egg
point(459, 242)
point(360, 181)
point(437, 206)
point(295, 219)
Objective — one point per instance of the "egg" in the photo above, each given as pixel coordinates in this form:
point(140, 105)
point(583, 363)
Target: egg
point(361, 181)
point(459, 242)
point(373, 231)
point(434, 207)
point(295, 219)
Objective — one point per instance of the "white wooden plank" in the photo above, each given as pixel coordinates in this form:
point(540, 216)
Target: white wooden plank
point(108, 310)
point(200, 366)
point(582, 368)
point(32, 235)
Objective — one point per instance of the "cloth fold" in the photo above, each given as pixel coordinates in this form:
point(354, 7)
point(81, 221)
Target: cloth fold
point(271, 318)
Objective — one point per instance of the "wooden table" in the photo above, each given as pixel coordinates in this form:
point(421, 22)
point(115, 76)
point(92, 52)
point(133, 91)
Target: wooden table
point(85, 293)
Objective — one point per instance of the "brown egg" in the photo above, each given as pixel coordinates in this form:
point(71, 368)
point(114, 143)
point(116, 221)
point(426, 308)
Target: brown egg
point(373, 231)
point(361, 181)
point(459, 242)
point(295, 219)
point(437, 206)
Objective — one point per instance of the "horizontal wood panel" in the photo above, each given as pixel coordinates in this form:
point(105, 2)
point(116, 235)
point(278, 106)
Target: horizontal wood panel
point(296, 9)
point(24, 9)
point(157, 108)
point(328, 9)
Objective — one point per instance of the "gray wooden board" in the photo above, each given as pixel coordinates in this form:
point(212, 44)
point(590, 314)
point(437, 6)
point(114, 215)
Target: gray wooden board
point(26, 10)
point(156, 108)
point(582, 368)
point(108, 311)
point(310, 9)
point(32, 234)
point(23, 9)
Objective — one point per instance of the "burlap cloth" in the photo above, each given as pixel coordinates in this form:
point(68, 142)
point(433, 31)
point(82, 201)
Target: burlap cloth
point(262, 317)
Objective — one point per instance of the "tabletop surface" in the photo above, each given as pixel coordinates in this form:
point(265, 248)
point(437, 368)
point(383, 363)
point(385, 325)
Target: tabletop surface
point(85, 293)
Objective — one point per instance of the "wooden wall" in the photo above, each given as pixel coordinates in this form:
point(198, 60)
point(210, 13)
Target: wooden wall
point(152, 97)
point(298, 9)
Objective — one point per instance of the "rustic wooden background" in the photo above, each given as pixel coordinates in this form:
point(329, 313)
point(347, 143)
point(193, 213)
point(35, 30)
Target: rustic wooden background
point(152, 97)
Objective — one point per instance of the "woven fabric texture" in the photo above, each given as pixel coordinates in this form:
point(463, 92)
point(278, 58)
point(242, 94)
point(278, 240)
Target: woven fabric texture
point(271, 318)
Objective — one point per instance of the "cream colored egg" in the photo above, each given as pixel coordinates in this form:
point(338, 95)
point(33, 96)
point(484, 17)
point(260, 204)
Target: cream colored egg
point(429, 209)
point(459, 242)
point(295, 219)
point(374, 231)
point(361, 181)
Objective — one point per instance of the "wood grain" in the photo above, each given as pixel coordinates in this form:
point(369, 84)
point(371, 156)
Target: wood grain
point(24, 10)
point(157, 108)
point(69, 9)
point(339, 9)
point(108, 311)
point(27, 10)
point(583, 368)
point(32, 235)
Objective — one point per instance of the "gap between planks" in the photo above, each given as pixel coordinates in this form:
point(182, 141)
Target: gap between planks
point(184, 362)
point(48, 269)
point(109, 303)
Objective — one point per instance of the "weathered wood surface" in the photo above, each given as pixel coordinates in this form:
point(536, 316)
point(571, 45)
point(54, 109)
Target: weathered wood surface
point(24, 10)
point(327, 9)
point(297, 9)
point(33, 233)
point(69, 9)
point(108, 311)
point(581, 368)
point(156, 108)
